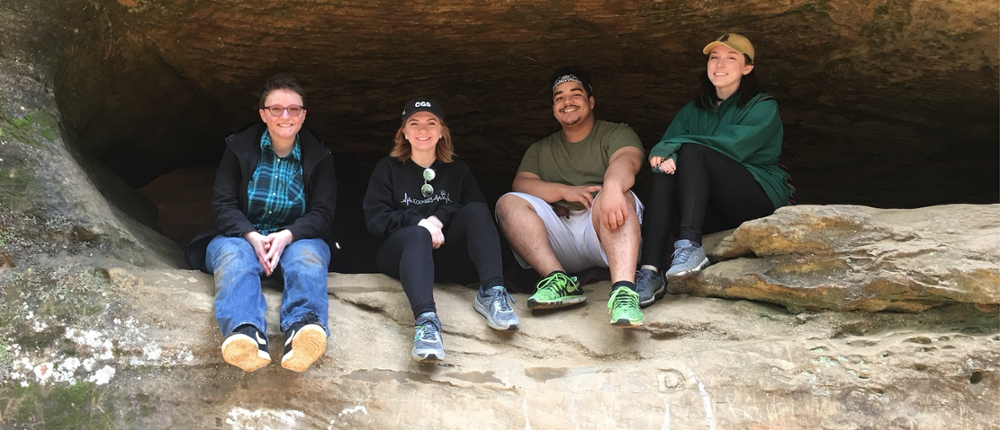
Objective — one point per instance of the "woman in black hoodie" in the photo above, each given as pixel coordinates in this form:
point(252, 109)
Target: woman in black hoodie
point(432, 224)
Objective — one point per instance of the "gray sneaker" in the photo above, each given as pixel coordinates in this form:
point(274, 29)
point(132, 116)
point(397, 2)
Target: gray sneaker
point(650, 286)
point(688, 259)
point(427, 345)
point(493, 305)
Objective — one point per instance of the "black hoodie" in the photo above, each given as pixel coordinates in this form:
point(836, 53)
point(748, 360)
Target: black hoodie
point(394, 201)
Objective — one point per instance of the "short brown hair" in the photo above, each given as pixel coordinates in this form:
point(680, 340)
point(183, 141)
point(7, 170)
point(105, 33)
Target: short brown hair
point(444, 149)
point(281, 81)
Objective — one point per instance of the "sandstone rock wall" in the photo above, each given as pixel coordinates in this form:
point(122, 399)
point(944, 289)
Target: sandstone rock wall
point(99, 329)
point(850, 258)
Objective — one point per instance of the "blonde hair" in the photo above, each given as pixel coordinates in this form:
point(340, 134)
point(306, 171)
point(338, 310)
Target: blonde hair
point(443, 151)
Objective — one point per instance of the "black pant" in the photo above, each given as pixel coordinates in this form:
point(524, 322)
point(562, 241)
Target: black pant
point(709, 192)
point(471, 251)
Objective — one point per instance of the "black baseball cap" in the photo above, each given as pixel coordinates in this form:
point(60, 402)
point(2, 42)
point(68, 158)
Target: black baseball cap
point(422, 105)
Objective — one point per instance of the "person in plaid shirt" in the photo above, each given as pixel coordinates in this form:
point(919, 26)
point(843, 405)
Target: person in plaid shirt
point(273, 203)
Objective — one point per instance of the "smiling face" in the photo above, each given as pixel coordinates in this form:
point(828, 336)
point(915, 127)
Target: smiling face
point(422, 130)
point(726, 68)
point(570, 104)
point(282, 127)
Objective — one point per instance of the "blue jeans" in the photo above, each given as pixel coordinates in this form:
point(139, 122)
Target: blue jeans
point(238, 296)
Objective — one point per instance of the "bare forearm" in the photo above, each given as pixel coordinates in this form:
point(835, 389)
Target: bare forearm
point(620, 175)
point(549, 191)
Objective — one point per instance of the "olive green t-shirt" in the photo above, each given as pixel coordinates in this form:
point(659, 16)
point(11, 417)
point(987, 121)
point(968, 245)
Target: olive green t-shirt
point(554, 159)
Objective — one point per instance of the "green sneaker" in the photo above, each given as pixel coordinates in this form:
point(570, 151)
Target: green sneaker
point(624, 308)
point(557, 290)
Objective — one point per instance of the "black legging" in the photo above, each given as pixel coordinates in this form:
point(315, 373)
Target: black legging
point(471, 251)
point(709, 192)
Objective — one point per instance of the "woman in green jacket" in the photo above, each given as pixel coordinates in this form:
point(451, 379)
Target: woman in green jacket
point(715, 167)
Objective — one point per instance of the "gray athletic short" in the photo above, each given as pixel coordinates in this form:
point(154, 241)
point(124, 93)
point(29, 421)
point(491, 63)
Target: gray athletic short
point(574, 241)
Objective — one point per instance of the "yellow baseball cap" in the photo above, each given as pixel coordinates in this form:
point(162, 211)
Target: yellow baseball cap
point(734, 41)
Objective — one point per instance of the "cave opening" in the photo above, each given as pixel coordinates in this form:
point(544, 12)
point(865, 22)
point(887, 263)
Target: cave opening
point(149, 93)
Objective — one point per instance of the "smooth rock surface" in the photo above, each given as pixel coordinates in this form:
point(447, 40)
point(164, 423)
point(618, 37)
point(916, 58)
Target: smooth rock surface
point(697, 363)
point(858, 258)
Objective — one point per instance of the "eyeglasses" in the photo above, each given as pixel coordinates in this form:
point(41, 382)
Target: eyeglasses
point(427, 189)
point(278, 110)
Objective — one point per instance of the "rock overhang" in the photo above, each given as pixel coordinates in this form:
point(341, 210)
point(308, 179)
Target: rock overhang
point(890, 105)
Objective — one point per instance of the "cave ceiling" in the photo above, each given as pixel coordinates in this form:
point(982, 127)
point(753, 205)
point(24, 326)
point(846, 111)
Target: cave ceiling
point(885, 103)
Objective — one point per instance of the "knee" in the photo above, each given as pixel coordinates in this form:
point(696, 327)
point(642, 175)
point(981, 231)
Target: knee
point(693, 148)
point(476, 210)
point(629, 201)
point(307, 253)
point(230, 252)
point(597, 215)
point(691, 152)
point(414, 235)
point(509, 205)
point(231, 256)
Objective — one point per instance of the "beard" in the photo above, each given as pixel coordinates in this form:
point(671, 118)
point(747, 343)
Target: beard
point(571, 120)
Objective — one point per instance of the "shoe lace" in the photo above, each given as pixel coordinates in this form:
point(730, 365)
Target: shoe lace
point(646, 277)
point(623, 297)
point(683, 253)
point(555, 282)
point(427, 327)
point(426, 331)
point(500, 296)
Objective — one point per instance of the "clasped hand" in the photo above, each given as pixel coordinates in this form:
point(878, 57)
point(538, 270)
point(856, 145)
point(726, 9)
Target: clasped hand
point(268, 248)
point(434, 226)
point(665, 165)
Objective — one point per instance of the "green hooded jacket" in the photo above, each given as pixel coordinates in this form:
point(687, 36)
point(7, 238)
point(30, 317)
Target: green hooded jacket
point(751, 135)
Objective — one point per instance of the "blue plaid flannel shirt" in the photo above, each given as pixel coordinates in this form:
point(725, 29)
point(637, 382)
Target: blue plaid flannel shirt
point(276, 194)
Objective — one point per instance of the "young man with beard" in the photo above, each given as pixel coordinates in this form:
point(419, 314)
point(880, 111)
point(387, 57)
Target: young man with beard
point(572, 208)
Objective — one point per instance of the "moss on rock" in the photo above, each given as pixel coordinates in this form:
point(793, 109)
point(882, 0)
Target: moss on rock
point(81, 406)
